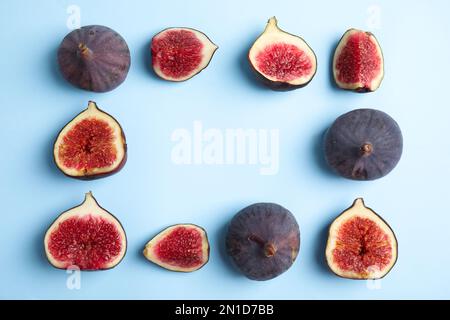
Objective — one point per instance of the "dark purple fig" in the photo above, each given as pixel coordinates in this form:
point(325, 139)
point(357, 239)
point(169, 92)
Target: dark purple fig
point(281, 60)
point(263, 240)
point(363, 144)
point(94, 58)
point(178, 54)
point(358, 62)
point(361, 245)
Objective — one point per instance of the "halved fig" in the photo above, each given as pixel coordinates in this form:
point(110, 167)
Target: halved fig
point(94, 58)
point(361, 245)
point(178, 54)
point(87, 237)
point(363, 144)
point(358, 62)
point(263, 240)
point(91, 146)
point(182, 247)
point(281, 60)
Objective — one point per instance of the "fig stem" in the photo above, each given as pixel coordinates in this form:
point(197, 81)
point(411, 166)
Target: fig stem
point(85, 52)
point(269, 250)
point(268, 247)
point(88, 196)
point(366, 149)
point(92, 105)
point(272, 24)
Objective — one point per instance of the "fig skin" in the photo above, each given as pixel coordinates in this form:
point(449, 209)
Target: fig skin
point(357, 202)
point(280, 85)
point(363, 144)
point(97, 175)
point(113, 217)
point(100, 175)
point(359, 89)
point(263, 240)
point(104, 174)
point(89, 62)
point(199, 70)
point(148, 254)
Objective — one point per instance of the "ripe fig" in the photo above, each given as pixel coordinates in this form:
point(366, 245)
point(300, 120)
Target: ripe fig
point(94, 58)
point(361, 245)
point(358, 62)
point(363, 144)
point(91, 146)
point(87, 237)
point(182, 247)
point(281, 60)
point(178, 54)
point(263, 240)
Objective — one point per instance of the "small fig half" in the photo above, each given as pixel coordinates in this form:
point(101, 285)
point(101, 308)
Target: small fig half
point(94, 58)
point(182, 247)
point(87, 237)
point(363, 144)
point(361, 245)
point(91, 146)
point(281, 60)
point(358, 62)
point(178, 54)
point(263, 240)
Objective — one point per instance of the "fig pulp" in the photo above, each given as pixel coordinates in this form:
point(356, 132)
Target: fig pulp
point(178, 54)
point(263, 240)
point(182, 247)
point(361, 245)
point(91, 146)
point(94, 58)
point(281, 60)
point(87, 237)
point(363, 144)
point(358, 62)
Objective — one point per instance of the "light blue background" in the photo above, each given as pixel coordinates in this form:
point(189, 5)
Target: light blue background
point(152, 193)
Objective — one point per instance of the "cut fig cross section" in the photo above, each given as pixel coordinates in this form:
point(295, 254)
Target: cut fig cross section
point(86, 237)
point(178, 54)
point(361, 245)
point(358, 63)
point(281, 60)
point(182, 247)
point(91, 146)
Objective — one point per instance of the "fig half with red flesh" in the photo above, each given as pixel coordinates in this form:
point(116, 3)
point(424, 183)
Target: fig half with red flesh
point(91, 146)
point(94, 58)
point(178, 54)
point(87, 237)
point(182, 247)
point(263, 240)
point(361, 245)
point(281, 60)
point(358, 62)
